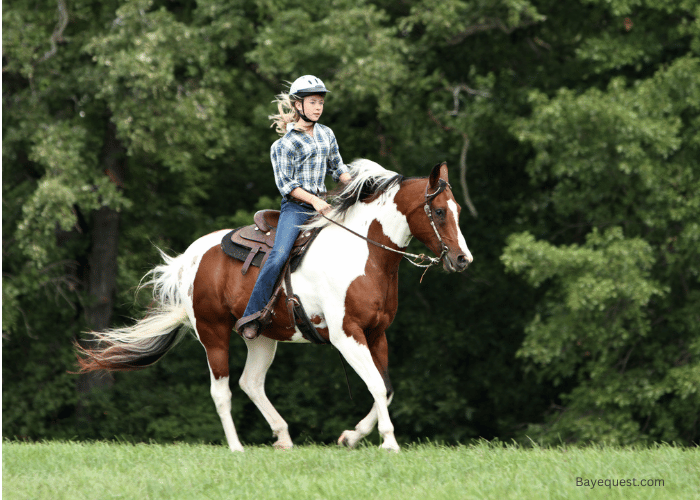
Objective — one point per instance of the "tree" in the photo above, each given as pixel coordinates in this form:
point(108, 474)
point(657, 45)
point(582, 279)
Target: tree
point(108, 117)
point(616, 246)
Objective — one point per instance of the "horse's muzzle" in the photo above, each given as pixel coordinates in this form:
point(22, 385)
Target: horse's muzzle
point(457, 263)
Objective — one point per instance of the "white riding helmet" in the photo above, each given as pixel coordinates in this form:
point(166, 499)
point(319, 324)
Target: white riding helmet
point(307, 85)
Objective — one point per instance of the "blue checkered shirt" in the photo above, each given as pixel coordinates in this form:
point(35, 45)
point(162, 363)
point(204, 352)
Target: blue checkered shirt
point(300, 160)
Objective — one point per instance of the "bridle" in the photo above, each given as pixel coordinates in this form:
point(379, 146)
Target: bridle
point(429, 197)
point(417, 260)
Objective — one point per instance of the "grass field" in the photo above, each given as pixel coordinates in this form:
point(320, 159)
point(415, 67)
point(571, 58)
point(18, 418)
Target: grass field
point(67, 470)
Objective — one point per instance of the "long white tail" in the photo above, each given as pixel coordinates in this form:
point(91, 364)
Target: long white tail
point(150, 338)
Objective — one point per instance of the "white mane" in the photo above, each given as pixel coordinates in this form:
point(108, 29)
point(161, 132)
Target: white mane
point(368, 178)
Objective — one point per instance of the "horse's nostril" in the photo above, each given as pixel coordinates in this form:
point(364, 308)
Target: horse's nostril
point(463, 261)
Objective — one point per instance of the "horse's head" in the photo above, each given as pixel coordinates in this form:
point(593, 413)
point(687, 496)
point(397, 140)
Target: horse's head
point(435, 222)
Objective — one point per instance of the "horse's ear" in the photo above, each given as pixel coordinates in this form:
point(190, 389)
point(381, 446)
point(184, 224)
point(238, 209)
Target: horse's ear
point(439, 172)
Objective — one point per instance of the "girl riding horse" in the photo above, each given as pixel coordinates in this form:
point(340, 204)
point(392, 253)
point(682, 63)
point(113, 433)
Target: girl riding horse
point(348, 280)
point(301, 159)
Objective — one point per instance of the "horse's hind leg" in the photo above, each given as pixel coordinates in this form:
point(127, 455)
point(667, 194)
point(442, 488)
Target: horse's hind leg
point(215, 339)
point(261, 352)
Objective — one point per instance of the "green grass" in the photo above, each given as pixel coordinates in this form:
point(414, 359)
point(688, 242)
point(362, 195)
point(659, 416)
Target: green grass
point(58, 470)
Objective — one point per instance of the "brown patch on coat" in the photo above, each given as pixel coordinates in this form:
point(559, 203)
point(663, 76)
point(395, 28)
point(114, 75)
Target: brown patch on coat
point(213, 319)
point(371, 300)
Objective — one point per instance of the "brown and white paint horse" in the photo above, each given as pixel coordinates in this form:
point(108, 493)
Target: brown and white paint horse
point(348, 286)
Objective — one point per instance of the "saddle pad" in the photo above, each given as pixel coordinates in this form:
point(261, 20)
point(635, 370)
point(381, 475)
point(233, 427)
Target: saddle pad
point(237, 251)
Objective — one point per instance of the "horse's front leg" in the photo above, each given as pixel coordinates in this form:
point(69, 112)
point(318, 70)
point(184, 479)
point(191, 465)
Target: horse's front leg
point(370, 361)
point(350, 438)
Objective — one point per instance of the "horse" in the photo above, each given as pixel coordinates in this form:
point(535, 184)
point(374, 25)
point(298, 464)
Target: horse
point(347, 283)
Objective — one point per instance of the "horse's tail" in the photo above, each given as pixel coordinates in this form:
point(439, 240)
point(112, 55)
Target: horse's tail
point(147, 341)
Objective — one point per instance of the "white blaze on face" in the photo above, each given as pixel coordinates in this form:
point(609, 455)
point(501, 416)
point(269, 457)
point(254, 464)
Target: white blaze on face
point(462, 243)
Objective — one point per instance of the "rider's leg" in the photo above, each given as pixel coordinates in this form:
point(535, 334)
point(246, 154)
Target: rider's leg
point(292, 216)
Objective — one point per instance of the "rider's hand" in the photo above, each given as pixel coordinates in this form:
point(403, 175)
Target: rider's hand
point(321, 206)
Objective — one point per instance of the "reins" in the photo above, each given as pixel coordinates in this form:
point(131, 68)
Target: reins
point(417, 260)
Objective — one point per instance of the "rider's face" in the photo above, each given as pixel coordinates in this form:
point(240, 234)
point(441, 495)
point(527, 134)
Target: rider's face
point(313, 106)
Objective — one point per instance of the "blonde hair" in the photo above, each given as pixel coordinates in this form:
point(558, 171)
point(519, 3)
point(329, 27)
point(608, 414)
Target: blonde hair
point(287, 113)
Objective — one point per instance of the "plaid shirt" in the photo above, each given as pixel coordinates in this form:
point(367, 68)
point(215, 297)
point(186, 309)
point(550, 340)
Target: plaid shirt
point(300, 160)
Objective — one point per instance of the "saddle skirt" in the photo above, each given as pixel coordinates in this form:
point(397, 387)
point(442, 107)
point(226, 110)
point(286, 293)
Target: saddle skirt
point(252, 244)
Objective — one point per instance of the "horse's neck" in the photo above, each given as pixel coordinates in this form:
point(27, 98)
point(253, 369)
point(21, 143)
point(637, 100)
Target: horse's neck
point(384, 210)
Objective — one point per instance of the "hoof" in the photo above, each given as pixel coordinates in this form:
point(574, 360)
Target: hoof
point(390, 445)
point(349, 439)
point(283, 445)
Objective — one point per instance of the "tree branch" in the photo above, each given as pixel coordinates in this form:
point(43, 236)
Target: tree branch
point(477, 28)
point(463, 176)
point(57, 35)
point(492, 23)
point(455, 96)
point(462, 165)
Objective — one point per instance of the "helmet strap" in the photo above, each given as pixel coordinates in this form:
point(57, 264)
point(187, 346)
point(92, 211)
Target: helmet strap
point(302, 113)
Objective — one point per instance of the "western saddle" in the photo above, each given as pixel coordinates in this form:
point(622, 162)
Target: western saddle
point(252, 245)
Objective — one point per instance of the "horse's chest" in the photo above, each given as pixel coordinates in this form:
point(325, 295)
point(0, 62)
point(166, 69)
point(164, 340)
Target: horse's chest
point(334, 261)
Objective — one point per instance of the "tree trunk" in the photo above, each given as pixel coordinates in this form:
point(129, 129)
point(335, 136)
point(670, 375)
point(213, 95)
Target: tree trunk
point(102, 267)
point(101, 281)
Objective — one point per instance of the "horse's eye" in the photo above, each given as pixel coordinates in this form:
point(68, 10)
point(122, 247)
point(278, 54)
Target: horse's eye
point(440, 212)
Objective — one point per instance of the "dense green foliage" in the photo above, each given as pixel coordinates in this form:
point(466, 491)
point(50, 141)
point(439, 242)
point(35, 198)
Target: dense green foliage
point(572, 132)
point(482, 470)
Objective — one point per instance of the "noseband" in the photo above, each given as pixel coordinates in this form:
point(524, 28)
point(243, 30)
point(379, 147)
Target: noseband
point(415, 259)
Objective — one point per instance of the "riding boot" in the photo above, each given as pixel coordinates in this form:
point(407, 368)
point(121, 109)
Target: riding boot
point(249, 326)
point(251, 330)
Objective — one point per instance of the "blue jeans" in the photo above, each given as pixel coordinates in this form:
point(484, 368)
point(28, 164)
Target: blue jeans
point(292, 215)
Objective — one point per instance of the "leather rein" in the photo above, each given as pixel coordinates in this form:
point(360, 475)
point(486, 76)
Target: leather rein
point(417, 260)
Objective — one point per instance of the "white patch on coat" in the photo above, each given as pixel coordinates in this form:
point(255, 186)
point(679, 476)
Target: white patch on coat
point(394, 223)
point(221, 394)
point(462, 242)
point(336, 258)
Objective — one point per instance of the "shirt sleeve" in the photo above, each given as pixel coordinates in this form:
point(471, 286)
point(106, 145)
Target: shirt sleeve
point(335, 164)
point(282, 157)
